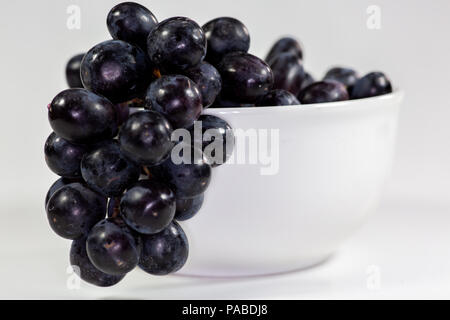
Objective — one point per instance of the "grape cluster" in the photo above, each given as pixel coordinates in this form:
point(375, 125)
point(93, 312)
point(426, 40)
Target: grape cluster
point(294, 86)
point(122, 192)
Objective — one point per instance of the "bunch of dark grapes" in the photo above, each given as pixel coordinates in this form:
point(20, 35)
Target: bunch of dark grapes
point(121, 193)
point(293, 85)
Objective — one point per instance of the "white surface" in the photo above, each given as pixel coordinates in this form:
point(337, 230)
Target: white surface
point(406, 242)
point(329, 165)
point(408, 238)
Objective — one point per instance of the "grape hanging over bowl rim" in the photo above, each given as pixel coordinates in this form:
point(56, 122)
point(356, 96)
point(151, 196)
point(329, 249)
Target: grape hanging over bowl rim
point(121, 197)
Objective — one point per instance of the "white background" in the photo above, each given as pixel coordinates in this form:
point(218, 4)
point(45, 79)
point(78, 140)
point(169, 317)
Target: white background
point(407, 241)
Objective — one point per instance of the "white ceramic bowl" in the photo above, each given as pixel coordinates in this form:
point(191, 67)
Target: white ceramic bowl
point(333, 161)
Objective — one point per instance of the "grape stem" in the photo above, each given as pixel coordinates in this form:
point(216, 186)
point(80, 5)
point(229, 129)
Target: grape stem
point(116, 210)
point(157, 73)
point(147, 171)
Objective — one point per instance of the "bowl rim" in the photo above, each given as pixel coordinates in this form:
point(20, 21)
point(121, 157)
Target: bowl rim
point(393, 98)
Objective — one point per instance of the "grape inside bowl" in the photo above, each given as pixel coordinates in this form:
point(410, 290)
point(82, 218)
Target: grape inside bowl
point(333, 160)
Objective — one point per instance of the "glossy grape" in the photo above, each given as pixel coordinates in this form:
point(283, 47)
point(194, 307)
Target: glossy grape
point(278, 98)
point(116, 70)
point(177, 98)
point(188, 208)
point(288, 73)
point(165, 252)
point(346, 76)
point(323, 91)
point(131, 22)
point(112, 248)
point(371, 85)
point(245, 78)
point(284, 45)
point(108, 171)
point(145, 137)
point(208, 81)
point(224, 102)
point(122, 112)
point(73, 76)
point(176, 44)
point(225, 35)
point(187, 174)
point(213, 128)
point(63, 157)
point(148, 207)
point(73, 209)
point(127, 108)
point(113, 207)
point(58, 184)
point(80, 116)
point(86, 270)
point(307, 80)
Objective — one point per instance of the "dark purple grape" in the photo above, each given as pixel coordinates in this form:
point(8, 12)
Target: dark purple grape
point(116, 69)
point(86, 270)
point(73, 76)
point(146, 138)
point(112, 247)
point(133, 104)
point(212, 128)
point(288, 73)
point(63, 157)
point(177, 98)
point(188, 208)
point(136, 110)
point(106, 170)
point(176, 44)
point(224, 102)
point(307, 80)
point(285, 45)
point(165, 252)
point(113, 207)
point(148, 207)
point(278, 98)
point(208, 81)
point(58, 184)
point(123, 112)
point(225, 35)
point(245, 77)
point(73, 209)
point(131, 22)
point(127, 108)
point(371, 85)
point(323, 91)
point(346, 76)
point(186, 173)
point(80, 116)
